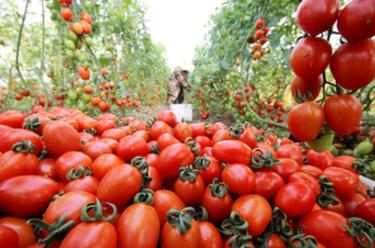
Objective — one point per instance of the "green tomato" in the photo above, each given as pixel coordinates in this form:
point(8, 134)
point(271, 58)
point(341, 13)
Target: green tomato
point(50, 5)
point(82, 106)
point(86, 98)
point(363, 148)
point(323, 143)
point(69, 102)
point(69, 44)
point(69, 53)
point(72, 94)
point(78, 44)
point(372, 166)
point(89, 41)
point(71, 36)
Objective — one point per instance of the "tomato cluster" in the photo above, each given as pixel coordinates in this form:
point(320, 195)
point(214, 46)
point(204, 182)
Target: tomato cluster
point(119, 182)
point(258, 40)
point(352, 66)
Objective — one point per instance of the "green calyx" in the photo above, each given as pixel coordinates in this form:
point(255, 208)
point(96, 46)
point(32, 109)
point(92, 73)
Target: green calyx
point(32, 124)
point(98, 215)
point(302, 240)
point(188, 173)
point(362, 231)
point(144, 196)
point(236, 131)
point(142, 166)
point(218, 188)
point(181, 219)
point(202, 163)
point(77, 173)
point(24, 147)
point(201, 214)
point(280, 224)
point(190, 142)
point(262, 160)
point(326, 196)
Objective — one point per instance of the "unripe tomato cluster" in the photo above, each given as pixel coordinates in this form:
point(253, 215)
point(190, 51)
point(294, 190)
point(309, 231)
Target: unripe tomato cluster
point(352, 66)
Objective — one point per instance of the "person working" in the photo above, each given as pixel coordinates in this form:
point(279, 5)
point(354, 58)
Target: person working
point(176, 85)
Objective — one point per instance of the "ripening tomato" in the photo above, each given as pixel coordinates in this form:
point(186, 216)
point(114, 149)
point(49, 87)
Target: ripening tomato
point(317, 16)
point(159, 128)
point(66, 13)
point(360, 58)
point(120, 185)
point(26, 196)
point(345, 162)
point(285, 168)
point(322, 160)
point(95, 149)
point(224, 150)
point(60, 137)
point(356, 20)
point(83, 72)
point(138, 226)
point(24, 231)
point(310, 57)
point(343, 113)
point(220, 135)
point(292, 151)
point(8, 237)
point(311, 170)
point(305, 121)
point(344, 182)
point(86, 17)
point(168, 117)
point(115, 133)
point(86, 27)
point(295, 199)
point(105, 163)
point(367, 210)
point(239, 178)
point(327, 227)
point(217, 201)
point(210, 235)
point(172, 158)
point(165, 200)
point(87, 183)
point(71, 160)
point(308, 89)
point(91, 234)
point(255, 210)
point(69, 204)
point(12, 118)
point(14, 163)
point(130, 147)
point(183, 131)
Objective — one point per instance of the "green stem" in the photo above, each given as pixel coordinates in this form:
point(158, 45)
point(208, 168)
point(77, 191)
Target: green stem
point(19, 41)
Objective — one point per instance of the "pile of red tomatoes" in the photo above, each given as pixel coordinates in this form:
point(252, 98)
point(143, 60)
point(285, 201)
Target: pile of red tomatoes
point(69, 180)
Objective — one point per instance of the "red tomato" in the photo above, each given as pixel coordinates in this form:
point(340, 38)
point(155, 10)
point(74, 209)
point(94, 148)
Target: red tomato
point(285, 168)
point(69, 204)
point(211, 171)
point(360, 58)
point(165, 200)
point(10, 137)
point(15, 163)
point(88, 184)
point(172, 158)
point(356, 20)
point(26, 196)
point(96, 148)
point(291, 151)
point(83, 72)
point(167, 117)
point(344, 182)
point(8, 237)
point(338, 208)
point(92, 234)
point(157, 182)
point(345, 162)
point(305, 121)
point(210, 236)
point(25, 232)
point(153, 160)
point(239, 178)
point(305, 179)
point(111, 142)
point(166, 140)
point(310, 57)
point(66, 13)
point(138, 226)
point(60, 137)
point(217, 201)
point(220, 135)
point(12, 118)
point(327, 228)
point(224, 150)
point(105, 163)
point(352, 203)
point(159, 128)
point(183, 131)
point(103, 125)
point(71, 160)
point(308, 89)
point(47, 168)
point(255, 210)
point(130, 147)
point(204, 141)
point(322, 160)
point(198, 129)
point(115, 133)
point(275, 242)
point(343, 113)
point(311, 170)
point(189, 186)
point(249, 138)
point(267, 183)
point(172, 237)
point(317, 16)
point(120, 185)
point(367, 210)
point(295, 199)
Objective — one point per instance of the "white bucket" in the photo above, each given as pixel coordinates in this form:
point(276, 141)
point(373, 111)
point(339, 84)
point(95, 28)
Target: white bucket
point(182, 111)
point(368, 182)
